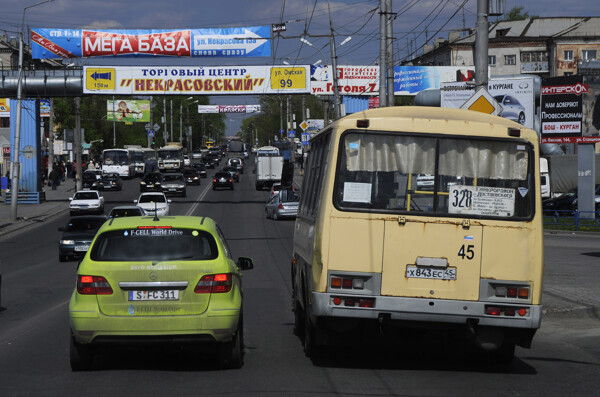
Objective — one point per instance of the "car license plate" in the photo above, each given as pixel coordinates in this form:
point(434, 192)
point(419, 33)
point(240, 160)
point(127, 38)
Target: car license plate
point(430, 273)
point(172, 190)
point(82, 248)
point(159, 295)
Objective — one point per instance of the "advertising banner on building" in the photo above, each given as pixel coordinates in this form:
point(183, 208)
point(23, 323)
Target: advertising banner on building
point(196, 80)
point(516, 96)
point(82, 43)
point(44, 107)
point(352, 80)
point(410, 80)
point(562, 109)
point(228, 108)
point(128, 111)
point(4, 107)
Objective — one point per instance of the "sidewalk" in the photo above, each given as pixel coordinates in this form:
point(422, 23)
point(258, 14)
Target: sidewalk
point(57, 202)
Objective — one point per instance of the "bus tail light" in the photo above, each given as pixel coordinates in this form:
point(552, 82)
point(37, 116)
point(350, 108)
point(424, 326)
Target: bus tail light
point(347, 282)
point(511, 291)
point(93, 285)
point(506, 311)
point(351, 301)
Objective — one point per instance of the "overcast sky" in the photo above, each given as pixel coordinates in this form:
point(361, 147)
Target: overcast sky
point(416, 21)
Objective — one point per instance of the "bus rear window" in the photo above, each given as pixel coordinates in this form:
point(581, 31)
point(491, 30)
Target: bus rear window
point(154, 245)
point(452, 176)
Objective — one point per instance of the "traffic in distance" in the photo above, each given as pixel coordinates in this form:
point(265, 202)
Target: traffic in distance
point(390, 219)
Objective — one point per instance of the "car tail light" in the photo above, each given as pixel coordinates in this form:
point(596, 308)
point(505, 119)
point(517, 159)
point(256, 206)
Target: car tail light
point(93, 285)
point(214, 180)
point(280, 206)
point(214, 283)
point(230, 180)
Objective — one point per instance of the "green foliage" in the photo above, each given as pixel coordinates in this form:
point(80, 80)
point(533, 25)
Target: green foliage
point(516, 14)
point(93, 121)
point(273, 116)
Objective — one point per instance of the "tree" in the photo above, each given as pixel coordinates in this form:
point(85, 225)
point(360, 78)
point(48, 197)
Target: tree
point(516, 14)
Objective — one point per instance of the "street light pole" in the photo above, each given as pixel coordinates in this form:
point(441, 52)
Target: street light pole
point(337, 105)
point(17, 144)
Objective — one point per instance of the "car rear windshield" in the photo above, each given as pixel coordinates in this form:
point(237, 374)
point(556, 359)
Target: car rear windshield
point(121, 212)
point(154, 244)
point(151, 198)
point(288, 195)
point(172, 178)
point(86, 196)
point(83, 224)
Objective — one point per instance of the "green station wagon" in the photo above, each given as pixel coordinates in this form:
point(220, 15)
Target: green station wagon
point(158, 281)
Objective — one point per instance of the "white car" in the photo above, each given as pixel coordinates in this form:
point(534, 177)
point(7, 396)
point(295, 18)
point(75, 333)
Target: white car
point(85, 202)
point(186, 160)
point(153, 201)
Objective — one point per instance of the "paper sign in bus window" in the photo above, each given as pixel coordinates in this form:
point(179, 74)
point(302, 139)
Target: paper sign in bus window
point(355, 192)
point(481, 200)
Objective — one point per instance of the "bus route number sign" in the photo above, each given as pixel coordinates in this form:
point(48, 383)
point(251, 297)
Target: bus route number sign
point(288, 78)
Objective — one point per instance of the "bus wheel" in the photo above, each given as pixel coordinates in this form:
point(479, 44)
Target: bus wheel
point(298, 320)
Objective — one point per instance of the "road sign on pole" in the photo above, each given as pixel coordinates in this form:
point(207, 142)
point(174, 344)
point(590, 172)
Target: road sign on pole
point(150, 133)
point(482, 101)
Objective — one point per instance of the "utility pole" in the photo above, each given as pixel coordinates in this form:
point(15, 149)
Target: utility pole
point(181, 123)
point(281, 116)
point(114, 124)
point(481, 45)
point(288, 111)
point(171, 140)
point(165, 132)
point(14, 174)
point(382, 53)
point(51, 138)
point(337, 104)
point(77, 133)
point(151, 122)
point(390, 53)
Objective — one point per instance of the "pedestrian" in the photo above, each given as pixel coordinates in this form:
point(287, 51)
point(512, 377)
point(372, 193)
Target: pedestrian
point(301, 161)
point(53, 177)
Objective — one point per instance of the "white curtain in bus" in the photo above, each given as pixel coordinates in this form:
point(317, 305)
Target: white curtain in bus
point(483, 159)
point(386, 153)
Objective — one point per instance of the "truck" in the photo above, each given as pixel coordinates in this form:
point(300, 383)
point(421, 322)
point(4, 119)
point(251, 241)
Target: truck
point(562, 171)
point(236, 146)
point(544, 178)
point(170, 157)
point(269, 166)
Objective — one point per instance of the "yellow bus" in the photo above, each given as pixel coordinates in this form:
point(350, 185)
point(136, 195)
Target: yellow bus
point(420, 217)
point(210, 144)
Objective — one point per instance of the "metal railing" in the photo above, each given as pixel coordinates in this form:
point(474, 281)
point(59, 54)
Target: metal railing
point(572, 220)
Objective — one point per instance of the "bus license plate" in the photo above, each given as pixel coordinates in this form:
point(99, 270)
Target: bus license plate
point(430, 273)
point(162, 295)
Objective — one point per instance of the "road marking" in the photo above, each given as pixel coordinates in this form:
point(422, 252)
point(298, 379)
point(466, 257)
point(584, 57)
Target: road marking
point(197, 203)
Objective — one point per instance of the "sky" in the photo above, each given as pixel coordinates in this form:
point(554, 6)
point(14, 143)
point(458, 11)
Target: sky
point(416, 21)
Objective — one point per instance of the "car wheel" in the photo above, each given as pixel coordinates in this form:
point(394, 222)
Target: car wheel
point(275, 217)
point(184, 194)
point(232, 186)
point(80, 356)
point(521, 119)
point(62, 258)
point(214, 188)
point(71, 213)
point(231, 354)
point(266, 214)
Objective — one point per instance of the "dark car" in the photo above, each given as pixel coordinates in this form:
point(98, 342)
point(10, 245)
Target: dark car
point(208, 162)
point(233, 172)
point(89, 181)
point(201, 168)
point(78, 235)
point(192, 176)
point(173, 184)
point(110, 182)
point(564, 202)
point(125, 210)
point(151, 182)
point(215, 156)
point(222, 179)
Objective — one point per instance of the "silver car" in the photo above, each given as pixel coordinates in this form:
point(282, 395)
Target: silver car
point(173, 184)
point(283, 205)
point(511, 108)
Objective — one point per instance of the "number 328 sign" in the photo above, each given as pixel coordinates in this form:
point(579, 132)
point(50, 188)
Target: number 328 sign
point(481, 200)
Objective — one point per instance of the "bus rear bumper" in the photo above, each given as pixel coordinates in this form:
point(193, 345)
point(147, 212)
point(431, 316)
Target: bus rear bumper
point(428, 310)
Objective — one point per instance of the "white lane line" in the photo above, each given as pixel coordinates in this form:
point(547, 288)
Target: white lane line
point(200, 198)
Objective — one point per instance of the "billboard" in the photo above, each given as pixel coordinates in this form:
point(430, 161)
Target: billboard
point(410, 80)
point(228, 108)
point(128, 111)
point(563, 117)
point(516, 96)
point(83, 43)
point(4, 107)
point(352, 80)
point(196, 80)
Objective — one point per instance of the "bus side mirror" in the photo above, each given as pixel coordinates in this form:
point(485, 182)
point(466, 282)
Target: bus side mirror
point(245, 263)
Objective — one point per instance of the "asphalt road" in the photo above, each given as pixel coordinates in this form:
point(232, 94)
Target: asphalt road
point(34, 326)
